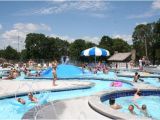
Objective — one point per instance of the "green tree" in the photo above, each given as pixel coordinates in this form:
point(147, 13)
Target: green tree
point(36, 45)
point(23, 55)
point(62, 47)
point(120, 45)
point(107, 43)
point(139, 40)
point(1, 53)
point(11, 54)
point(77, 47)
point(155, 44)
point(112, 45)
point(146, 40)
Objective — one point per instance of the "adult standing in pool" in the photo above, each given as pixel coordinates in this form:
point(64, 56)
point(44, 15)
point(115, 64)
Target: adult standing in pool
point(113, 104)
point(140, 64)
point(54, 72)
point(143, 110)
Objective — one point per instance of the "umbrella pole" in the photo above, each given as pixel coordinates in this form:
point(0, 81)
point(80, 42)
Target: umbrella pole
point(95, 60)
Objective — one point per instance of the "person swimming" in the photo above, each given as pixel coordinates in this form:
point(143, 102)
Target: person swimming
point(32, 98)
point(143, 110)
point(20, 100)
point(131, 109)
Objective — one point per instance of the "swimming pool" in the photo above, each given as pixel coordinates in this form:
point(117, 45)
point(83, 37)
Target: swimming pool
point(12, 110)
point(152, 103)
point(111, 75)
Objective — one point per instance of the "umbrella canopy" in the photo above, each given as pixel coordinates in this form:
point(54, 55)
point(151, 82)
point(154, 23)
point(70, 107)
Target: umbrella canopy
point(95, 51)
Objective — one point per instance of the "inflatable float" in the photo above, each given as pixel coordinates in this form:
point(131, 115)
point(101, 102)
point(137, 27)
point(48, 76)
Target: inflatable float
point(116, 84)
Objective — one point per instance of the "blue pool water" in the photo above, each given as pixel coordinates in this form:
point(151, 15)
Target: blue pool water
point(10, 110)
point(151, 81)
point(109, 75)
point(152, 103)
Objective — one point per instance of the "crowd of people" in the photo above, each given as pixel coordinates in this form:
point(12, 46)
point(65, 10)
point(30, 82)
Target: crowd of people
point(94, 68)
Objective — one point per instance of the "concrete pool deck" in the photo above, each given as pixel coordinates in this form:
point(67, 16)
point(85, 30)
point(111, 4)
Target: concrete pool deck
point(12, 87)
point(69, 109)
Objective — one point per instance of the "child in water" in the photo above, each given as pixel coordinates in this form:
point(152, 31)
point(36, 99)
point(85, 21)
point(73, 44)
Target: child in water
point(20, 100)
point(32, 98)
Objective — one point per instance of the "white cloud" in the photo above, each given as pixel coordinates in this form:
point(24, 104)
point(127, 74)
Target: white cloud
point(63, 37)
point(144, 23)
point(19, 31)
point(63, 6)
point(31, 27)
point(71, 39)
point(90, 5)
point(144, 15)
point(1, 26)
point(127, 38)
point(91, 39)
point(156, 4)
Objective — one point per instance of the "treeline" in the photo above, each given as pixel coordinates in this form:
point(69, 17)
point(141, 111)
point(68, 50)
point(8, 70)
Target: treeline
point(39, 46)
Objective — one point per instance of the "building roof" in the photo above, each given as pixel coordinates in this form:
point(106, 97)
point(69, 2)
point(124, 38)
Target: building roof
point(119, 56)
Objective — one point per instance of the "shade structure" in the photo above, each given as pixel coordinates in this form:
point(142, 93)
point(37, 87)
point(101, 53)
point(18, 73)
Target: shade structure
point(95, 51)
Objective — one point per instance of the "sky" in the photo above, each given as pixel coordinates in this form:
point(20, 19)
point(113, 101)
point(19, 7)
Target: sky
point(70, 20)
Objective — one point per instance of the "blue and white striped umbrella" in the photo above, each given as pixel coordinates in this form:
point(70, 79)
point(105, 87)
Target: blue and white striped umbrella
point(95, 51)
